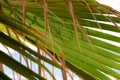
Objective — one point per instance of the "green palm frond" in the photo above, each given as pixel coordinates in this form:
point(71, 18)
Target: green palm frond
point(74, 34)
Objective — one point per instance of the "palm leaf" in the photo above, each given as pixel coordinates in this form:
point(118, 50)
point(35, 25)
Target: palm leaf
point(3, 76)
point(74, 32)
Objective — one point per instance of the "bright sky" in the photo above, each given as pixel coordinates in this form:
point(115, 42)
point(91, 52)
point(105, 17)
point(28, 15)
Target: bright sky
point(113, 3)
